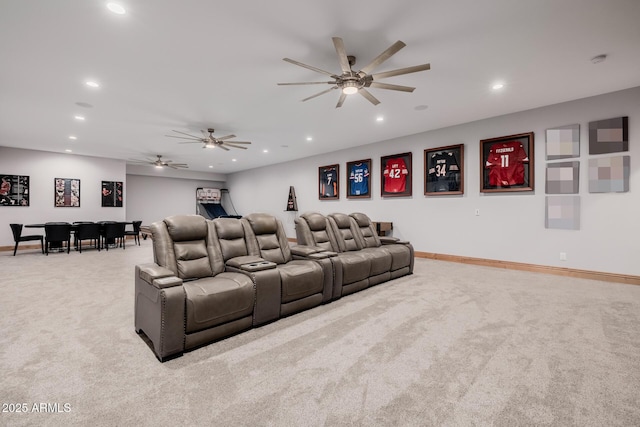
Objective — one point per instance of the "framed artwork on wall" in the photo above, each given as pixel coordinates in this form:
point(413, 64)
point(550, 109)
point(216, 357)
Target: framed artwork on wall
point(329, 182)
point(395, 175)
point(359, 179)
point(112, 194)
point(609, 136)
point(444, 170)
point(66, 192)
point(506, 163)
point(14, 190)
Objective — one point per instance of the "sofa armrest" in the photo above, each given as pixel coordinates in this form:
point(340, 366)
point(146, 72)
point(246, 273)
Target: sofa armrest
point(310, 252)
point(158, 276)
point(387, 240)
point(250, 263)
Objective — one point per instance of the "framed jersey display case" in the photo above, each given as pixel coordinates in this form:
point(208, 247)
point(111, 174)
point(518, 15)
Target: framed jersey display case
point(328, 180)
point(14, 190)
point(395, 175)
point(359, 179)
point(506, 163)
point(444, 170)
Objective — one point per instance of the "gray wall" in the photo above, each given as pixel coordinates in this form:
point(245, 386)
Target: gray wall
point(42, 168)
point(510, 226)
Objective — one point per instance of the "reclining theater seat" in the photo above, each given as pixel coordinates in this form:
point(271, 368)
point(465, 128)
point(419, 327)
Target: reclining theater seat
point(302, 281)
point(402, 253)
point(185, 299)
point(314, 229)
point(348, 237)
point(232, 245)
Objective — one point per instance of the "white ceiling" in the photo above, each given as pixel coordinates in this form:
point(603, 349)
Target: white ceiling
point(188, 65)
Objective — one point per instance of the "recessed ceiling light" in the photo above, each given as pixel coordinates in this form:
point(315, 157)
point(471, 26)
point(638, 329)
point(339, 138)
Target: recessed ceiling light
point(91, 83)
point(265, 151)
point(73, 137)
point(234, 160)
point(210, 166)
point(309, 138)
point(497, 86)
point(379, 119)
point(116, 8)
point(68, 151)
point(79, 118)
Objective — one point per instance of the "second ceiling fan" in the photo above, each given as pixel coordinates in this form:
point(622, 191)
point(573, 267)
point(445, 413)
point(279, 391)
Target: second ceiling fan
point(210, 141)
point(351, 82)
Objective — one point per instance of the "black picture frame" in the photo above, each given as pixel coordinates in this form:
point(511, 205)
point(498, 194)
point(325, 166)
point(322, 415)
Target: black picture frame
point(396, 175)
point(66, 192)
point(507, 163)
point(358, 179)
point(329, 182)
point(112, 194)
point(444, 170)
point(14, 190)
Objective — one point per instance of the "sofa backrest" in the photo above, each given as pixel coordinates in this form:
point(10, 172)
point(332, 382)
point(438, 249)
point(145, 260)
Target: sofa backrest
point(345, 230)
point(313, 229)
point(230, 237)
point(183, 244)
point(367, 233)
point(266, 238)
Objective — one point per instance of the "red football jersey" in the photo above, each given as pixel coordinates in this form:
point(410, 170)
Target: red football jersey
point(506, 164)
point(395, 176)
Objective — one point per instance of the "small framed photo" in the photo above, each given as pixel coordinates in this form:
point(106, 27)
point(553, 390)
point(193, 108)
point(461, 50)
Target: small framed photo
point(66, 193)
point(112, 194)
point(395, 175)
point(444, 170)
point(329, 182)
point(359, 179)
point(506, 163)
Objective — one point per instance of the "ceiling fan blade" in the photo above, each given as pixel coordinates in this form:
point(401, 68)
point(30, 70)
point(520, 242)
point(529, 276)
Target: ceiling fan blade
point(343, 96)
point(342, 54)
point(184, 137)
point(317, 70)
point(400, 71)
point(372, 99)
point(222, 138)
point(223, 147)
point(306, 83)
point(177, 131)
point(190, 142)
point(321, 93)
point(229, 144)
point(237, 142)
point(392, 50)
point(392, 87)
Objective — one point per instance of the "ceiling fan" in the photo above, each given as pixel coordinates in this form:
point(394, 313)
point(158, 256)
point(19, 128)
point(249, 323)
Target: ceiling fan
point(159, 163)
point(210, 141)
point(350, 82)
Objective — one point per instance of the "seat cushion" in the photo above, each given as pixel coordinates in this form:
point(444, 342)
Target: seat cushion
point(300, 279)
point(212, 301)
point(380, 260)
point(355, 266)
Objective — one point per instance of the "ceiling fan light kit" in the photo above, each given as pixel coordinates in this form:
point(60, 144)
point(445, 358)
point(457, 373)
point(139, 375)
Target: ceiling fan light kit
point(350, 82)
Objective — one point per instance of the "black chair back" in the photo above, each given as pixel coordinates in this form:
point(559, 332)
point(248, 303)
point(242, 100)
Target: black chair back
point(112, 232)
point(16, 229)
point(57, 232)
point(88, 231)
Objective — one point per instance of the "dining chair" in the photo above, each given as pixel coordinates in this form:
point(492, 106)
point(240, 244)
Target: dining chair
point(135, 232)
point(16, 229)
point(57, 233)
point(113, 232)
point(88, 231)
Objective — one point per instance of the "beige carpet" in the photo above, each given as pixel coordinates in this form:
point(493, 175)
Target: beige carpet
point(451, 345)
